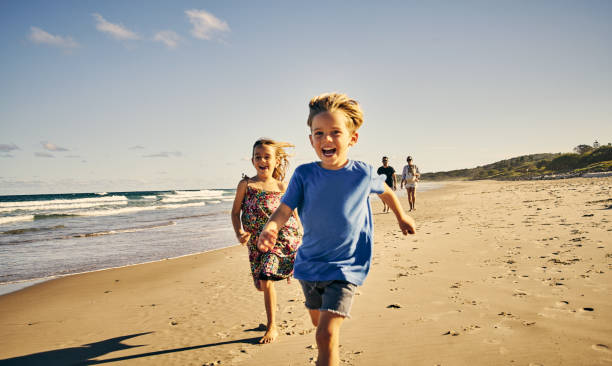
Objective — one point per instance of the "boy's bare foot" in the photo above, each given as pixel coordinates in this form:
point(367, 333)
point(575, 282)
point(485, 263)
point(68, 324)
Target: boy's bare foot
point(270, 336)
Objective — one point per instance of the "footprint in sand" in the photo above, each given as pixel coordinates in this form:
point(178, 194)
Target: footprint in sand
point(601, 347)
point(520, 293)
point(585, 313)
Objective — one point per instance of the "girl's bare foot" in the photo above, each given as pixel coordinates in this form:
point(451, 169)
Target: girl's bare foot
point(270, 335)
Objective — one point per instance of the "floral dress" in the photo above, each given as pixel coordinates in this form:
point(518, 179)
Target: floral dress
point(276, 264)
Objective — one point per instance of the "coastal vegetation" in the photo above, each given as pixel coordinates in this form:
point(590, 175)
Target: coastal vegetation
point(584, 159)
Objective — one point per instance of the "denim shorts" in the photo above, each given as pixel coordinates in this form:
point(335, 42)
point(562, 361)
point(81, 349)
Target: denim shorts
point(333, 296)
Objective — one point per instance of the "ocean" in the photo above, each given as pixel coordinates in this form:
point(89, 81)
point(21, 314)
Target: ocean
point(45, 236)
point(51, 235)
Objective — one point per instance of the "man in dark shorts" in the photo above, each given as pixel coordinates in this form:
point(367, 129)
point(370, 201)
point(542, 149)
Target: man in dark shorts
point(387, 170)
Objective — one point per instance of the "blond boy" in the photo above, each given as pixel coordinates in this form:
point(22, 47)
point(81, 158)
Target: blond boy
point(332, 199)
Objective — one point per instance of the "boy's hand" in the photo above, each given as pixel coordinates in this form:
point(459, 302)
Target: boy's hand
point(266, 240)
point(407, 225)
point(243, 237)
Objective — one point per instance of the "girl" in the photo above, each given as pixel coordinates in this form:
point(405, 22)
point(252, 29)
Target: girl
point(410, 177)
point(257, 198)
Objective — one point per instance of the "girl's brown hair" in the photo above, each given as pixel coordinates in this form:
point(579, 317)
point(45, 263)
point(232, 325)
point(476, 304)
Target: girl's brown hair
point(282, 157)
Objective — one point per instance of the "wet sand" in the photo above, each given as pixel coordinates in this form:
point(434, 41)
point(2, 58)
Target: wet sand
point(498, 273)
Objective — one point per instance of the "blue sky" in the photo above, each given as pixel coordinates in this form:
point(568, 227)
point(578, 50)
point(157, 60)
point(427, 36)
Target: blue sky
point(116, 95)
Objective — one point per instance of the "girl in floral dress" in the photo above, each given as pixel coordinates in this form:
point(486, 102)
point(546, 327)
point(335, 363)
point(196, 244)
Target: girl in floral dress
point(257, 198)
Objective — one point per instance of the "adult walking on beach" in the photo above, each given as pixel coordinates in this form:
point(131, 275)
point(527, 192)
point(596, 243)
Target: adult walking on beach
point(410, 177)
point(389, 172)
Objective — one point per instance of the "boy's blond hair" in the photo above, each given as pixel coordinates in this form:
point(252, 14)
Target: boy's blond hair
point(282, 157)
point(332, 102)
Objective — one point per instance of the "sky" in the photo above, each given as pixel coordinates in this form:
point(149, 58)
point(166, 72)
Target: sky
point(101, 96)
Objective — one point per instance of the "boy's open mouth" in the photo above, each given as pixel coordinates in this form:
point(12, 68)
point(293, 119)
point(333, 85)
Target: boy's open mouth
point(328, 152)
point(263, 167)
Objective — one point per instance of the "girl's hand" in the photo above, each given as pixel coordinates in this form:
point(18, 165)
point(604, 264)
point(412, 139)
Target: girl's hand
point(266, 240)
point(243, 237)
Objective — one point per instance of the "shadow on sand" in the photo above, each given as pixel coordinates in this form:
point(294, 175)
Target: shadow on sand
point(84, 355)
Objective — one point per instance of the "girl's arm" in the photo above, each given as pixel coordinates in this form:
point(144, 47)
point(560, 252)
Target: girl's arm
point(241, 235)
point(406, 223)
point(268, 235)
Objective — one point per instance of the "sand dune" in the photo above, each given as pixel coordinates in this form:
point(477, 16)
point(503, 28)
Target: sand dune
point(498, 273)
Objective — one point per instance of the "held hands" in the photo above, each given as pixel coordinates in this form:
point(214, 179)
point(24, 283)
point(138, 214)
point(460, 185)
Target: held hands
point(267, 239)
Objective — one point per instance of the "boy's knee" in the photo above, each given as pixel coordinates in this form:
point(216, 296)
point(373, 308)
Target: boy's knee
point(324, 336)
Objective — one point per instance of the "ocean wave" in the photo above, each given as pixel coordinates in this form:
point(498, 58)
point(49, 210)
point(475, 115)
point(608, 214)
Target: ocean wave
point(128, 210)
point(192, 195)
point(62, 203)
point(31, 230)
point(52, 216)
point(92, 234)
point(121, 231)
point(115, 211)
point(11, 219)
point(63, 206)
point(94, 212)
point(195, 204)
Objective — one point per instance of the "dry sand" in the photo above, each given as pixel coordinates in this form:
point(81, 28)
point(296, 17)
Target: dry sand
point(499, 273)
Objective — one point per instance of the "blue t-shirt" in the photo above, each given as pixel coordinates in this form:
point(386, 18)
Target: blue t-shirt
point(334, 206)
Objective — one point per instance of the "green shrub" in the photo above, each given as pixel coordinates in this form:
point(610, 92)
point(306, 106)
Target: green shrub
point(565, 162)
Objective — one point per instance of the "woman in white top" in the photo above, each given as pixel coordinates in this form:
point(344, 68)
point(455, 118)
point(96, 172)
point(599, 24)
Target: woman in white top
point(410, 177)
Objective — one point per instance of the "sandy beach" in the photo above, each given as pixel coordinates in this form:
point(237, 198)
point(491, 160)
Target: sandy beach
point(499, 273)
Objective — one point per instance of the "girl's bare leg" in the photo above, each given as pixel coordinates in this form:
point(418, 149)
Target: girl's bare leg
point(270, 302)
point(328, 338)
point(411, 197)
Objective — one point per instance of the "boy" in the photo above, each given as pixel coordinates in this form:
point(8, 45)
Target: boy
point(332, 198)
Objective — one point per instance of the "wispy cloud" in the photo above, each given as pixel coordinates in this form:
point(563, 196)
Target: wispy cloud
point(52, 147)
point(6, 156)
point(167, 37)
point(43, 155)
point(8, 147)
point(73, 156)
point(136, 147)
point(117, 31)
point(38, 35)
point(205, 25)
point(164, 154)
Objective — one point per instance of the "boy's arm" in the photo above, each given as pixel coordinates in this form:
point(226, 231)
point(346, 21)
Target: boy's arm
point(268, 235)
point(406, 223)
